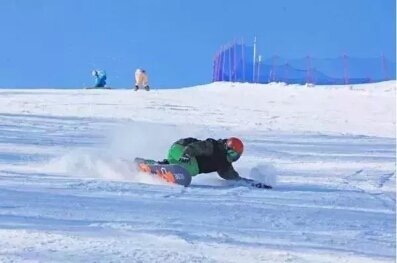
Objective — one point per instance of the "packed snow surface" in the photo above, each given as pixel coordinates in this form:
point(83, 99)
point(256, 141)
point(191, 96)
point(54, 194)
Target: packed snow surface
point(69, 194)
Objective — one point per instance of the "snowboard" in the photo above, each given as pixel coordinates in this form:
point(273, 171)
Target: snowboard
point(97, 87)
point(171, 173)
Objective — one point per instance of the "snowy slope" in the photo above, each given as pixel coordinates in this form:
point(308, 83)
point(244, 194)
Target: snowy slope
point(65, 196)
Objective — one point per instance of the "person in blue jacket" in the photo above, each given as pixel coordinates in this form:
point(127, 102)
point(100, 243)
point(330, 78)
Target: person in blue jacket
point(100, 78)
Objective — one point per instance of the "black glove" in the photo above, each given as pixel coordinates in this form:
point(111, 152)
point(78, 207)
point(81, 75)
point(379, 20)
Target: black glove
point(261, 185)
point(185, 158)
point(256, 183)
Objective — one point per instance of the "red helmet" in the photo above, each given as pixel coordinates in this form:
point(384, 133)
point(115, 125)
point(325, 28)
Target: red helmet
point(236, 145)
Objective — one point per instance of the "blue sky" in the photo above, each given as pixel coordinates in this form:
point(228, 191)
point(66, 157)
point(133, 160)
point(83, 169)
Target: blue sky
point(47, 43)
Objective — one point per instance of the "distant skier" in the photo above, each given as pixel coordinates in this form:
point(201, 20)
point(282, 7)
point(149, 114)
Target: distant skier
point(141, 79)
point(207, 156)
point(100, 78)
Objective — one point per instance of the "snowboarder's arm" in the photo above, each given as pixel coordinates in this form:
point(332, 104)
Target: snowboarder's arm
point(229, 174)
point(198, 148)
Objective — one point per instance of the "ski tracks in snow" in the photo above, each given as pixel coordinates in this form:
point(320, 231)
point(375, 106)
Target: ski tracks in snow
point(373, 186)
point(64, 198)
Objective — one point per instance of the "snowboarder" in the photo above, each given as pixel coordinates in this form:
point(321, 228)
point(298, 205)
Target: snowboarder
point(207, 156)
point(141, 79)
point(100, 78)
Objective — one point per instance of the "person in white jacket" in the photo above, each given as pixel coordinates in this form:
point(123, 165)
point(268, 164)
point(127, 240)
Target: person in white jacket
point(141, 79)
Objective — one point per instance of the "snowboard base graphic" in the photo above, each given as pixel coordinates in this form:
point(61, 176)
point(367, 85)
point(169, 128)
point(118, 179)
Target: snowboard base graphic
point(171, 173)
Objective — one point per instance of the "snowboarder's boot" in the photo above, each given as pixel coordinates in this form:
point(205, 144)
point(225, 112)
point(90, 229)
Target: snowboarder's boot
point(147, 88)
point(165, 161)
point(136, 87)
point(151, 162)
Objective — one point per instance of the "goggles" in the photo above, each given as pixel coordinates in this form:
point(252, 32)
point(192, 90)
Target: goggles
point(232, 156)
